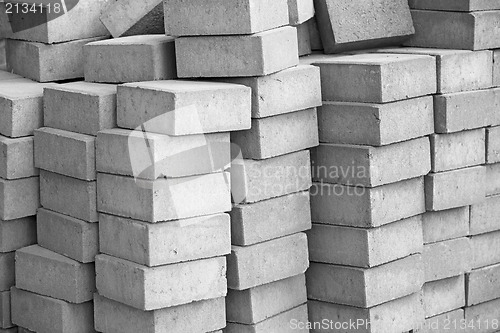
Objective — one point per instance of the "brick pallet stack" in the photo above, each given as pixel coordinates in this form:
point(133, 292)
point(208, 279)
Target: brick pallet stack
point(44, 40)
point(22, 112)
point(368, 195)
point(163, 188)
point(257, 48)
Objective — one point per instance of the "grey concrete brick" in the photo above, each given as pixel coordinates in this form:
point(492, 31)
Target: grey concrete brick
point(367, 207)
point(289, 214)
point(300, 11)
point(365, 288)
point(363, 77)
point(278, 135)
point(457, 188)
point(19, 198)
point(66, 153)
point(374, 124)
point(267, 262)
point(482, 284)
point(443, 323)
point(163, 286)
point(205, 17)
point(371, 166)
point(484, 216)
point(444, 295)
point(18, 233)
point(46, 63)
point(163, 199)
point(114, 317)
point(445, 224)
point(493, 145)
point(5, 318)
point(51, 274)
point(486, 249)
point(252, 306)
point(17, 158)
point(80, 107)
point(184, 107)
point(447, 258)
point(141, 58)
point(165, 243)
point(492, 179)
point(365, 247)
point(71, 237)
point(485, 314)
point(259, 54)
point(7, 271)
point(70, 196)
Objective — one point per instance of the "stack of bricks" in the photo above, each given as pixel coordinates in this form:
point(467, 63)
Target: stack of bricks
point(250, 43)
point(162, 190)
point(368, 194)
point(45, 39)
point(22, 113)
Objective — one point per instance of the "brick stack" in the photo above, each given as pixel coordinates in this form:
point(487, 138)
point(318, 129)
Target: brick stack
point(22, 112)
point(368, 195)
point(301, 12)
point(255, 47)
point(45, 39)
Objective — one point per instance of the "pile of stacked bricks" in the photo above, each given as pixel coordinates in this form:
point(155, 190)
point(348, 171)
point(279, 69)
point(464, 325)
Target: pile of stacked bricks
point(250, 166)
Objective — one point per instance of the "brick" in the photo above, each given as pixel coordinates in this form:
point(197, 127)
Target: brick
point(151, 156)
point(142, 58)
point(253, 181)
point(273, 324)
point(374, 124)
point(457, 150)
point(70, 196)
point(343, 24)
point(204, 17)
point(496, 67)
point(297, 131)
point(457, 188)
point(19, 198)
point(250, 222)
point(363, 77)
point(259, 54)
point(21, 102)
point(482, 285)
point(184, 107)
point(485, 314)
point(5, 321)
point(455, 30)
point(455, 6)
point(160, 287)
point(18, 233)
point(367, 207)
point(165, 243)
point(267, 262)
point(7, 271)
point(111, 316)
point(163, 199)
point(466, 110)
point(484, 216)
point(365, 247)
point(457, 70)
point(365, 288)
point(71, 237)
point(445, 224)
point(492, 179)
point(66, 153)
point(443, 323)
point(493, 145)
point(79, 22)
point(16, 159)
point(444, 295)
point(51, 274)
point(256, 304)
point(123, 18)
point(371, 166)
point(304, 39)
point(316, 44)
point(396, 316)
point(300, 11)
point(49, 315)
point(447, 259)
point(46, 63)
point(293, 89)
point(80, 107)
point(486, 249)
